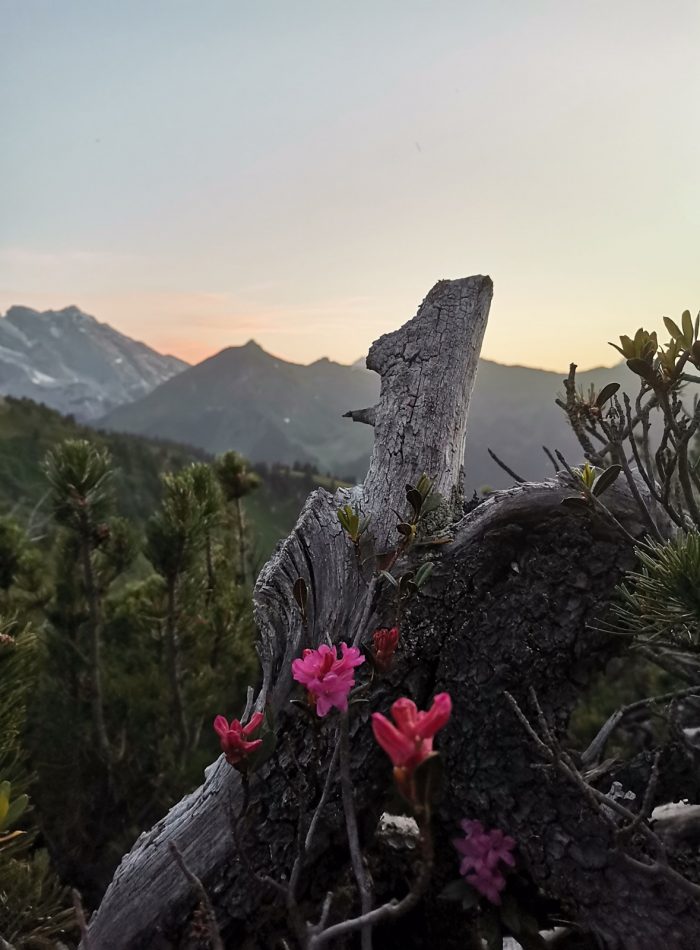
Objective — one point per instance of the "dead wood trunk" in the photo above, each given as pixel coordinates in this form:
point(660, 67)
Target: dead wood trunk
point(507, 607)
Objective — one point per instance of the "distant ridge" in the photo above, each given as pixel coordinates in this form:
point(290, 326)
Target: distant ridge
point(269, 409)
point(273, 410)
point(69, 361)
point(265, 407)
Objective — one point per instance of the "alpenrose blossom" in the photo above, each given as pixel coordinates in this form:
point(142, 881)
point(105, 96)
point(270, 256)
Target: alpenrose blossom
point(482, 853)
point(408, 741)
point(234, 738)
point(384, 643)
point(327, 677)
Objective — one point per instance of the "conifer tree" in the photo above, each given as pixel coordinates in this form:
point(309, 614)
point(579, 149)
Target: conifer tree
point(80, 477)
point(237, 481)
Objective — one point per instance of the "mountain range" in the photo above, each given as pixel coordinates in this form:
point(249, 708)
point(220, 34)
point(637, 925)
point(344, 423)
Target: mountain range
point(272, 410)
point(72, 363)
point(266, 408)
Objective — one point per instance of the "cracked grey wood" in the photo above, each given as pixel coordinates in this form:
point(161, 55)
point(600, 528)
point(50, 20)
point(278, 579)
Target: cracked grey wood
point(509, 605)
point(427, 370)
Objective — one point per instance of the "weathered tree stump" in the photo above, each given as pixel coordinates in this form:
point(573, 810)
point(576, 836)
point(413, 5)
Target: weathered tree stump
point(507, 608)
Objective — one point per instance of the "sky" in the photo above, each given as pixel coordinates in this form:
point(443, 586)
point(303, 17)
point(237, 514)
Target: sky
point(201, 173)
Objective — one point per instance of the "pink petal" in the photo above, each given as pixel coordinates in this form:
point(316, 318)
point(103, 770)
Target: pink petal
point(436, 718)
point(324, 704)
point(253, 724)
point(221, 726)
point(300, 672)
point(396, 745)
point(405, 714)
point(352, 655)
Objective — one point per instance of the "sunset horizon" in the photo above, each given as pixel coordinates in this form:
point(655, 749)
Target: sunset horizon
point(195, 177)
point(253, 328)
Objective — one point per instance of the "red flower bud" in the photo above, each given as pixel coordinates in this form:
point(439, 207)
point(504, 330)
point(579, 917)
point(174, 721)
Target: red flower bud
point(234, 738)
point(384, 641)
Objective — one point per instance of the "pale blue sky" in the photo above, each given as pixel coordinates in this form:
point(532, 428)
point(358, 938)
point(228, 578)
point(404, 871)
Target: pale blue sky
point(197, 173)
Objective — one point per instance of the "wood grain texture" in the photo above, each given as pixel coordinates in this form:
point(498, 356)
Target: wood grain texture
point(511, 604)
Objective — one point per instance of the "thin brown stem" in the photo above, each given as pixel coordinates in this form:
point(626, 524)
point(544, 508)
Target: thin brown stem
point(81, 920)
point(215, 940)
point(359, 868)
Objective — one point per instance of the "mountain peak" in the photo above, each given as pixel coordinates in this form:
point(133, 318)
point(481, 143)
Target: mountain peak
point(72, 311)
point(69, 360)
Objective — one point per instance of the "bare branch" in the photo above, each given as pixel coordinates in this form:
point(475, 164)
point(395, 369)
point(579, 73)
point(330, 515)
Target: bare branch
point(80, 919)
point(205, 903)
point(595, 750)
point(506, 469)
point(359, 868)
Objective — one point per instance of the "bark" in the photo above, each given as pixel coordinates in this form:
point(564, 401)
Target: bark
point(508, 606)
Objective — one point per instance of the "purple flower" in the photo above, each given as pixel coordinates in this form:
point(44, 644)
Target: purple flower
point(482, 852)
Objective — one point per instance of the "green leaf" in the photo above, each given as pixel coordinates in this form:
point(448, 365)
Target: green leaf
point(575, 501)
point(687, 322)
point(510, 914)
point(641, 368)
point(5, 790)
point(457, 890)
point(523, 926)
point(607, 392)
point(431, 503)
point(16, 810)
point(424, 485)
point(606, 479)
point(406, 580)
point(423, 573)
point(415, 500)
point(673, 329)
point(471, 900)
point(389, 577)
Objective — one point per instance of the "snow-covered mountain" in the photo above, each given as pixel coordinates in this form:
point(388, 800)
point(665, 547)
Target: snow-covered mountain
point(71, 362)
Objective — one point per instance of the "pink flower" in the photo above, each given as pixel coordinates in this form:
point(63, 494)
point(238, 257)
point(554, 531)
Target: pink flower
point(408, 741)
point(384, 642)
point(234, 737)
point(482, 852)
point(327, 677)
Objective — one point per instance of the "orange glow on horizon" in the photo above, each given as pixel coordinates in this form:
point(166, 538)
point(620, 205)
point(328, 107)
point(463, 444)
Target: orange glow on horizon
point(195, 326)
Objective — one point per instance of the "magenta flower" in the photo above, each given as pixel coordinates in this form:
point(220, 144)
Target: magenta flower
point(384, 641)
point(235, 738)
point(327, 677)
point(408, 741)
point(482, 852)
